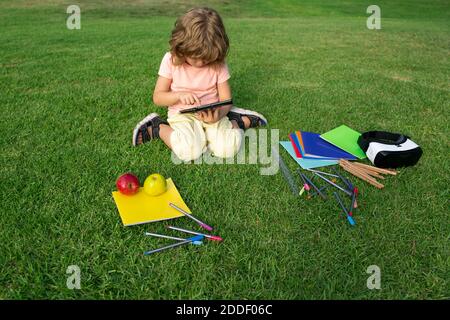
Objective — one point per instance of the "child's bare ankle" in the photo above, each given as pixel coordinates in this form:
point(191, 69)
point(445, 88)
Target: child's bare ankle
point(246, 121)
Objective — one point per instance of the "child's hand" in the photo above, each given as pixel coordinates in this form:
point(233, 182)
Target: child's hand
point(209, 116)
point(188, 98)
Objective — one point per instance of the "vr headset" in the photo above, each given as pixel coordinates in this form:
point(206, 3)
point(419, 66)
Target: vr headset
point(389, 150)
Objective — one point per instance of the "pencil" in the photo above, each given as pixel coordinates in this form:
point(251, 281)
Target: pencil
point(201, 223)
point(368, 171)
point(376, 169)
point(360, 170)
point(346, 165)
point(360, 174)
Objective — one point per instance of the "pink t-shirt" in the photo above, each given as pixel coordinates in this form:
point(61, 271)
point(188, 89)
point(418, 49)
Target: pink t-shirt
point(200, 81)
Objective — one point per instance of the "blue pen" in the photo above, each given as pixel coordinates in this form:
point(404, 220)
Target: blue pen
point(189, 240)
point(349, 218)
point(170, 237)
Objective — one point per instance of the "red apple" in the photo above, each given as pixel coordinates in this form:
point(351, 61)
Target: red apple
point(128, 184)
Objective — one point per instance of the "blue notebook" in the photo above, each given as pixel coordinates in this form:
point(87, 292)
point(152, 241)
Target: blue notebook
point(298, 146)
point(314, 145)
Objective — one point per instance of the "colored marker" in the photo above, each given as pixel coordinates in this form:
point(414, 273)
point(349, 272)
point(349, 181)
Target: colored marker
point(170, 237)
point(202, 224)
point(211, 237)
point(312, 184)
point(189, 240)
point(305, 184)
point(325, 173)
point(163, 236)
point(345, 180)
point(334, 184)
point(349, 218)
point(315, 192)
point(301, 191)
point(352, 206)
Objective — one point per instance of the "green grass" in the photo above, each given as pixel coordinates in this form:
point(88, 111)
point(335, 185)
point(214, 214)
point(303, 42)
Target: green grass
point(69, 101)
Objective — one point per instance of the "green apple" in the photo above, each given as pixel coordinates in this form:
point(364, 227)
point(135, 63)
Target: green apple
point(155, 184)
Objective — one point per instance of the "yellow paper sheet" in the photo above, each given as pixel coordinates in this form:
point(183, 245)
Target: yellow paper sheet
point(142, 208)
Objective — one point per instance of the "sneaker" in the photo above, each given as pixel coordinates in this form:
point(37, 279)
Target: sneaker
point(147, 129)
point(256, 119)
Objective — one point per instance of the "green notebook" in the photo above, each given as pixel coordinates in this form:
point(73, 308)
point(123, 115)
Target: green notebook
point(345, 138)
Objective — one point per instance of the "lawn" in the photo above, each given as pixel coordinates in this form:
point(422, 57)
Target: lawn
point(70, 99)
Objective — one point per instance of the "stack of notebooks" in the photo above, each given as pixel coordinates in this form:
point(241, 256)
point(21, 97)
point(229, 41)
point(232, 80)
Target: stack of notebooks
point(313, 150)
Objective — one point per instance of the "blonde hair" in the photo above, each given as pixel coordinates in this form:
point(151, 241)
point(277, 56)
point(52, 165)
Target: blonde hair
point(199, 34)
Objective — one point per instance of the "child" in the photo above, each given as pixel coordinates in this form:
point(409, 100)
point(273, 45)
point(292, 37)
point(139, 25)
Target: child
point(194, 72)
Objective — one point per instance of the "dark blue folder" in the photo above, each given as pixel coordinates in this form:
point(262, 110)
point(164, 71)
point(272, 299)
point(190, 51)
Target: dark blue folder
point(316, 146)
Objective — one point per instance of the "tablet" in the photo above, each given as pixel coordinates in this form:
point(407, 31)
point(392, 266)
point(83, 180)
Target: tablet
point(208, 106)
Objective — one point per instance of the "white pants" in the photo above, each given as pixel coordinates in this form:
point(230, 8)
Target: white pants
point(191, 137)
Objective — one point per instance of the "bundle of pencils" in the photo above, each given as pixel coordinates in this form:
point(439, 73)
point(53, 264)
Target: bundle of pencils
point(366, 172)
